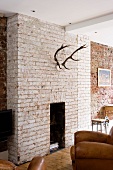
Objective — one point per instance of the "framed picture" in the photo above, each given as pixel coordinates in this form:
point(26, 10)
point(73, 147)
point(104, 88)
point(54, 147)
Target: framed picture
point(104, 77)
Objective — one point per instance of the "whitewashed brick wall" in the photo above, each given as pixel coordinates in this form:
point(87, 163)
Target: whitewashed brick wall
point(37, 82)
point(12, 83)
point(84, 88)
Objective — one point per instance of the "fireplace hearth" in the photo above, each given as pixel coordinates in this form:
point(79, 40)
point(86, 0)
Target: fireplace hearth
point(57, 126)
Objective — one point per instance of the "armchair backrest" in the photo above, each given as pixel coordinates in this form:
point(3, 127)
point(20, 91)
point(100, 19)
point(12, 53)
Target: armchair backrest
point(111, 132)
point(91, 136)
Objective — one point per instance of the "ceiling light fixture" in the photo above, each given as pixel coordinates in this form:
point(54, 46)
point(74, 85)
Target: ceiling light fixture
point(33, 10)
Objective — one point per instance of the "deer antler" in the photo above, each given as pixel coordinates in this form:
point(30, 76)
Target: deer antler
point(70, 57)
point(62, 47)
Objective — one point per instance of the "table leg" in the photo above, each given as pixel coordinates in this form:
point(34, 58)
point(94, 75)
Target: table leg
point(101, 126)
point(92, 125)
point(105, 127)
point(97, 126)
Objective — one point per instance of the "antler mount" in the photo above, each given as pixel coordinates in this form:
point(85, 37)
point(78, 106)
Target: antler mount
point(70, 57)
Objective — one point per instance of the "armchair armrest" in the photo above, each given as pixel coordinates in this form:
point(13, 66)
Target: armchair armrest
point(72, 153)
point(37, 163)
point(93, 150)
point(91, 136)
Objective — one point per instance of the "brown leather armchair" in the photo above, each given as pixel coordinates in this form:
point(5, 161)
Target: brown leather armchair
point(37, 163)
point(92, 151)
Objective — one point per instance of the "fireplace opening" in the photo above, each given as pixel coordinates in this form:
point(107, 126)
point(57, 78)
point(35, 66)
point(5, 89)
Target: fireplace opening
point(57, 126)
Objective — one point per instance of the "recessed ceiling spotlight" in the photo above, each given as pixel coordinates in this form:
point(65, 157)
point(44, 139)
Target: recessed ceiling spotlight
point(70, 23)
point(33, 10)
point(95, 32)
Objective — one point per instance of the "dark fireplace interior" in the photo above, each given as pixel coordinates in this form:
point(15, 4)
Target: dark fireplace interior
point(5, 128)
point(57, 126)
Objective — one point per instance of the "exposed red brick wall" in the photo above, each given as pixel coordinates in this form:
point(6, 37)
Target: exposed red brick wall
point(3, 53)
point(101, 57)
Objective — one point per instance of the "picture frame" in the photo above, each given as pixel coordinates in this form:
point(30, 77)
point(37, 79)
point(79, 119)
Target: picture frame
point(104, 77)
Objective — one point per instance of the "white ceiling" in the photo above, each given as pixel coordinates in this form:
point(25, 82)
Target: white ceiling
point(63, 12)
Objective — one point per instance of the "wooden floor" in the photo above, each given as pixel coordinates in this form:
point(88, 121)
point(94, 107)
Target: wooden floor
point(59, 160)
